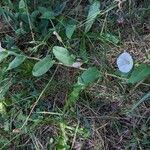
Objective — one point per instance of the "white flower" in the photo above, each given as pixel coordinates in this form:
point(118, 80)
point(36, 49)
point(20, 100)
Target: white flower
point(125, 62)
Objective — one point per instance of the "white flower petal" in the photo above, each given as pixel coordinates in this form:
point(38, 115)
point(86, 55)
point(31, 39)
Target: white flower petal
point(125, 62)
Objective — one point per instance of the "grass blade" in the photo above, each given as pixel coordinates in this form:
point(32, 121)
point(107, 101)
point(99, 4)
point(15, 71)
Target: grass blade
point(146, 97)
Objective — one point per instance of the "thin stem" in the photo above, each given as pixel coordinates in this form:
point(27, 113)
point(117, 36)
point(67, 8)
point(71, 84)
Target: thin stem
point(112, 75)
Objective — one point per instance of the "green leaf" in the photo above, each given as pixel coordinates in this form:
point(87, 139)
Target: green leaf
point(88, 76)
point(3, 55)
point(93, 12)
point(139, 73)
point(42, 66)
point(22, 5)
point(48, 15)
point(63, 55)
point(16, 62)
point(70, 28)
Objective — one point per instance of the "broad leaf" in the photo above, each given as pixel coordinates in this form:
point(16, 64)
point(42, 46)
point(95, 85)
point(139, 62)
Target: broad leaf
point(88, 76)
point(3, 55)
point(63, 55)
point(70, 28)
point(139, 73)
point(42, 66)
point(92, 14)
point(16, 62)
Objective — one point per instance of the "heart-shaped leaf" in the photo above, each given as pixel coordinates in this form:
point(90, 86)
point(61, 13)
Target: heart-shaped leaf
point(63, 55)
point(16, 62)
point(139, 73)
point(42, 66)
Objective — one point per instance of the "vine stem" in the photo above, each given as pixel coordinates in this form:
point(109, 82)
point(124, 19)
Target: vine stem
point(83, 69)
point(56, 63)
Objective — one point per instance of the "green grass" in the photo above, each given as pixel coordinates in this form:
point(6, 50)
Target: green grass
point(74, 97)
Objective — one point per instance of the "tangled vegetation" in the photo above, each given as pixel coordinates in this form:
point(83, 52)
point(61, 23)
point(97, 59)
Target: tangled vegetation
point(60, 85)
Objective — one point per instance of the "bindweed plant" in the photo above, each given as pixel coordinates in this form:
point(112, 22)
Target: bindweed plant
point(41, 38)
